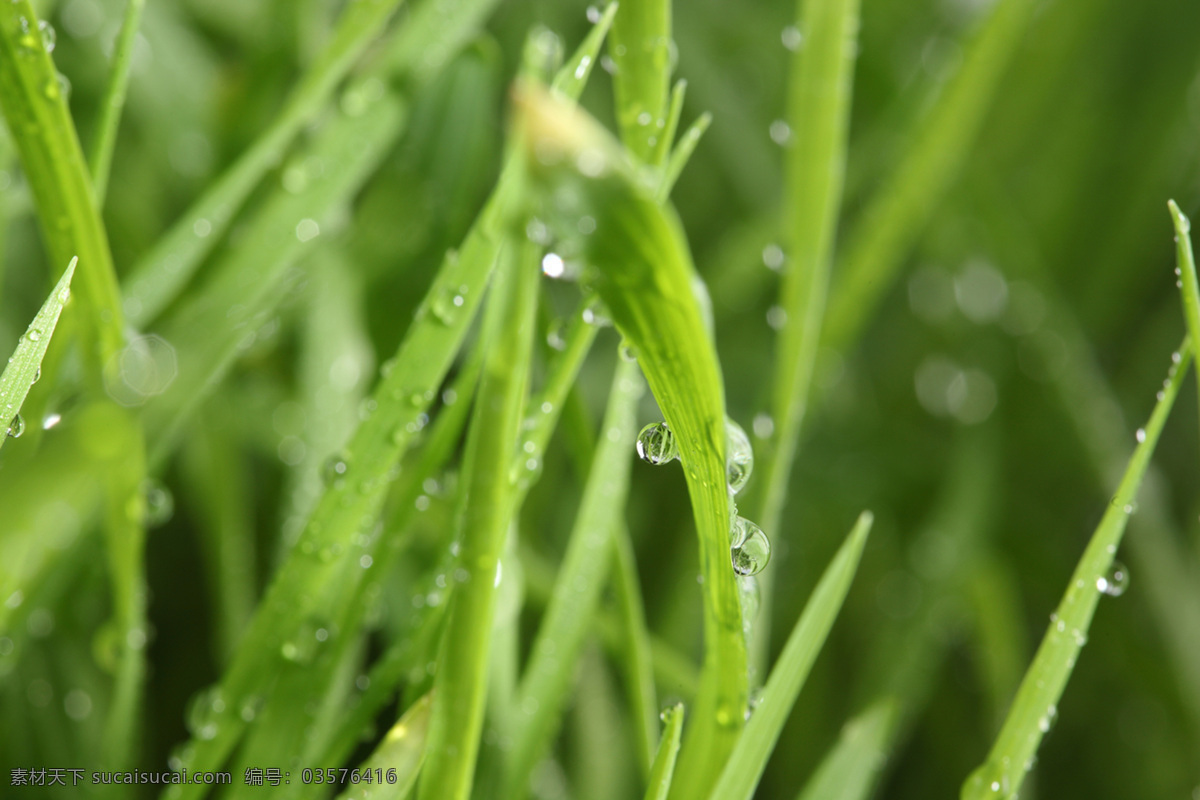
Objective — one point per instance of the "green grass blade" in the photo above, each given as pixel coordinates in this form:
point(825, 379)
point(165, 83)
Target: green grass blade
point(640, 46)
point(1035, 707)
point(127, 633)
point(634, 656)
point(849, 770)
point(819, 95)
point(570, 82)
point(1186, 270)
point(35, 108)
point(880, 241)
point(113, 101)
point(460, 685)
point(682, 152)
point(246, 283)
point(822, 74)
point(398, 756)
point(662, 147)
point(581, 576)
point(25, 365)
point(663, 769)
point(754, 746)
point(157, 279)
point(644, 274)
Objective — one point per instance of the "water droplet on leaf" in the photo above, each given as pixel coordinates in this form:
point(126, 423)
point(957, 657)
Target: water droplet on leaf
point(656, 444)
point(1114, 582)
point(16, 427)
point(749, 548)
point(739, 456)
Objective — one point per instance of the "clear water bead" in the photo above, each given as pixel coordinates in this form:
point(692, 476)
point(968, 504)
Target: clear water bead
point(16, 427)
point(739, 456)
point(656, 444)
point(749, 548)
point(1114, 582)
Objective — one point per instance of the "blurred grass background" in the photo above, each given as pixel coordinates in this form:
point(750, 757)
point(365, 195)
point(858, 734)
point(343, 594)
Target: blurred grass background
point(1049, 259)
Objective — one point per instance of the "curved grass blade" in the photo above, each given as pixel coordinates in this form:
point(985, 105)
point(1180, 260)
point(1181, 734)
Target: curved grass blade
point(1186, 270)
point(460, 683)
point(398, 756)
point(113, 101)
point(644, 274)
point(662, 148)
point(40, 122)
point(581, 576)
point(880, 241)
point(634, 654)
point(849, 770)
point(157, 279)
point(1034, 708)
point(663, 769)
point(749, 758)
point(25, 365)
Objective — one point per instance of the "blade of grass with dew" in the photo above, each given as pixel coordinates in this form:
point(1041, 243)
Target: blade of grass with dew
point(849, 770)
point(663, 769)
point(819, 94)
point(682, 153)
point(581, 575)
point(113, 101)
point(397, 404)
point(1186, 270)
point(570, 83)
point(1034, 708)
point(749, 758)
point(644, 274)
point(25, 365)
point(460, 686)
point(158, 278)
point(879, 242)
point(247, 283)
point(398, 757)
point(35, 108)
point(640, 46)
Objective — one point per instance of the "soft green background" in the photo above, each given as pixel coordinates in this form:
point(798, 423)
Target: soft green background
point(1054, 234)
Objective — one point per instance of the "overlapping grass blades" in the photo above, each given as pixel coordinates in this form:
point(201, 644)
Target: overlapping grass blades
point(643, 272)
point(749, 757)
point(35, 107)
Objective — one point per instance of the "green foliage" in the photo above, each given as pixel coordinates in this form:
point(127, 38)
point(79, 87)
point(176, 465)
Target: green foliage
point(320, 473)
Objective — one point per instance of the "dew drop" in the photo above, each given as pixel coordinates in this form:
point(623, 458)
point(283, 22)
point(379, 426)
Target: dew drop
point(16, 427)
point(739, 456)
point(49, 37)
point(159, 503)
point(1141, 435)
point(334, 469)
point(593, 14)
point(656, 444)
point(204, 713)
point(34, 335)
point(749, 548)
point(792, 38)
point(1114, 582)
point(781, 132)
point(627, 351)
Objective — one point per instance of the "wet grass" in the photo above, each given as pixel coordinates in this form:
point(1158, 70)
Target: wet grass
point(330, 461)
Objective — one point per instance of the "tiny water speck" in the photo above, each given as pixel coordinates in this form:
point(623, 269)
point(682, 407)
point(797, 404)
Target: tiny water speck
point(1114, 582)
